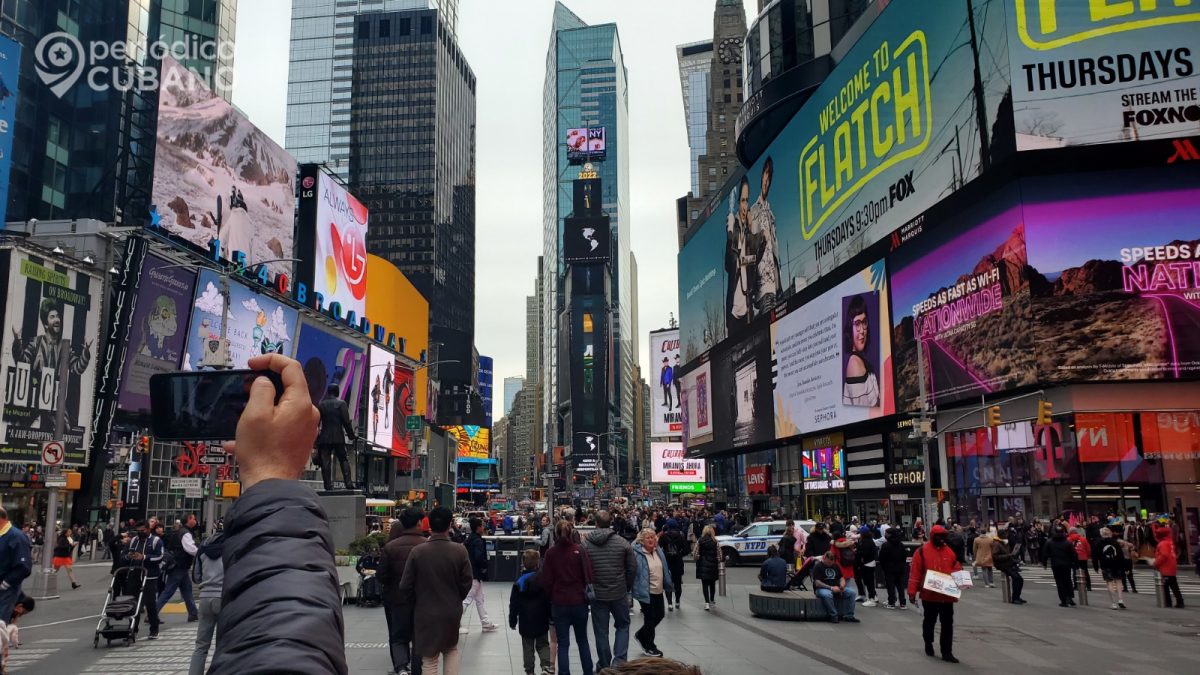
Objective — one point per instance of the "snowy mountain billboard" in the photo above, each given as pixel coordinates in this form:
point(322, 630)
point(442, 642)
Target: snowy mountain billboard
point(217, 177)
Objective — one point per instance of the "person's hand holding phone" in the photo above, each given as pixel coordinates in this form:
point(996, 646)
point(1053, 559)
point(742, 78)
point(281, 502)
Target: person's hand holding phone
point(275, 441)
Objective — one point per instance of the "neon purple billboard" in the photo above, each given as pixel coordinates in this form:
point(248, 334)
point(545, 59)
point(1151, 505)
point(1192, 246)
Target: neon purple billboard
point(1115, 266)
point(961, 291)
point(159, 330)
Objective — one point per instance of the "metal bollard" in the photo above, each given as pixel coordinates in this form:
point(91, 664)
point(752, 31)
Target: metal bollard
point(1160, 592)
point(1081, 587)
point(721, 577)
point(1005, 588)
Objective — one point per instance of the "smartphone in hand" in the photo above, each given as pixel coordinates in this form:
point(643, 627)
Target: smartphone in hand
point(202, 405)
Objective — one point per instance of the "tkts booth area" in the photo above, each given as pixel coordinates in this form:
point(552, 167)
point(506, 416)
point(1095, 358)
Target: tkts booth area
point(972, 210)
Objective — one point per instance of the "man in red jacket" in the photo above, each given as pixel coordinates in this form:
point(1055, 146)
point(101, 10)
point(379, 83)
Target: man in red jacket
point(1166, 561)
point(1083, 551)
point(935, 556)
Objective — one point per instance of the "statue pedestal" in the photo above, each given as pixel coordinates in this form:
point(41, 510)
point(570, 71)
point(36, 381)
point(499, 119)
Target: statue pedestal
point(347, 512)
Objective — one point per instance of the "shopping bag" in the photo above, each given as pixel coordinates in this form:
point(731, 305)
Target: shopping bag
point(940, 582)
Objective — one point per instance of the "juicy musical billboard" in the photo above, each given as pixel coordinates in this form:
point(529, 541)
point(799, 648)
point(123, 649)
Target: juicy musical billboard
point(51, 313)
point(834, 358)
point(669, 463)
point(217, 176)
point(666, 392)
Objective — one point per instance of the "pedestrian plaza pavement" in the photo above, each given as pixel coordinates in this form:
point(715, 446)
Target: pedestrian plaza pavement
point(990, 637)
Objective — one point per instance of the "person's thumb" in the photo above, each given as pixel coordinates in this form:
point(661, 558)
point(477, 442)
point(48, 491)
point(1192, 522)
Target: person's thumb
point(262, 397)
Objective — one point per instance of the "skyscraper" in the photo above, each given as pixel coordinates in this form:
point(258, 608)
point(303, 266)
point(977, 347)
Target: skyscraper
point(695, 61)
point(412, 164)
point(724, 92)
point(586, 86)
point(511, 386)
point(321, 63)
point(88, 153)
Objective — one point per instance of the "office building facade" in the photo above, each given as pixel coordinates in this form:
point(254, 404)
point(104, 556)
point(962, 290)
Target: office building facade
point(320, 70)
point(511, 386)
point(695, 62)
point(586, 86)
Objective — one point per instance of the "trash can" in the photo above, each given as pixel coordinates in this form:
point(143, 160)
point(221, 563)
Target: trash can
point(508, 558)
point(493, 558)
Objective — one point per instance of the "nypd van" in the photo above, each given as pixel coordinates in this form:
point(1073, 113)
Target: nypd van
point(751, 543)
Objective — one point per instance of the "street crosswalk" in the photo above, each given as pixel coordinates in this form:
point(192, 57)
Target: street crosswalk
point(1189, 581)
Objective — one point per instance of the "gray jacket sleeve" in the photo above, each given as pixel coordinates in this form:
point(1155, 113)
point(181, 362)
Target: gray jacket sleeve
point(281, 607)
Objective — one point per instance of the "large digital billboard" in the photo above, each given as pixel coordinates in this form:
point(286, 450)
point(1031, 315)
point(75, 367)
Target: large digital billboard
point(960, 290)
point(329, 358)
point(586, 239)
point(669, 463)
point(1115, 260)
point(471, 441)
point(666, 394)
point(1086, 73)
point(586, 144)
point(158, 329)
point(10, 64)
point(381, 383)
point(743, 412)
point(332, 242)
point(696, 412)
point(257, 324)
point(51, 312)
point(823, 464)
point(219, 177)
point(403, 405)
point(833, 356)
point(893, 130)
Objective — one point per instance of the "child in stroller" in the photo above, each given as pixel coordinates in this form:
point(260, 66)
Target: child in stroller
point(370, 590)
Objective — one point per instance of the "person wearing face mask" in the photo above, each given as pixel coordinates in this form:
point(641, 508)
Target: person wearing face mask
point(935, 556)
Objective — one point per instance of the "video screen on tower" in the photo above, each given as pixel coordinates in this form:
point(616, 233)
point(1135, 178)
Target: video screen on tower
point(586, 144)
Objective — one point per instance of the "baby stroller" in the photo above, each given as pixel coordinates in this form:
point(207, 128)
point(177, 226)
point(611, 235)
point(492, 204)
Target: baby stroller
point(121, 616)
point(370, 590)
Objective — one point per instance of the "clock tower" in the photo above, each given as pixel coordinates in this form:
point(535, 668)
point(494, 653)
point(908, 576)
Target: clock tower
point(724, 101)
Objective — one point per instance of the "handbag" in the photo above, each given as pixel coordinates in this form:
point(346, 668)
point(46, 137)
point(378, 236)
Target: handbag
point(589, 591)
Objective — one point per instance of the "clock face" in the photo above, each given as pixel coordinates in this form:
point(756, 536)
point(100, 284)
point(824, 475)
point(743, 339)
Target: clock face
point(730, 51)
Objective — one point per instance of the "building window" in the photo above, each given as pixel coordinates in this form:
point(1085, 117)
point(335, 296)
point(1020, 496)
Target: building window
point(385, 28)
point(426, 25)
point(721, 119)
point(725, 83)
point(712, 170)
point(364, 30)
point(405, 26)
point(728, 98)
point(587, 322)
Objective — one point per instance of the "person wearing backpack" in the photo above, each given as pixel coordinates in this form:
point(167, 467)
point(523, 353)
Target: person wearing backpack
point(208, 572)
point(180, 551)
point(675, 547)
point(844, 550)
point(1083, 553)
point(1111, 559)
point(864, 566)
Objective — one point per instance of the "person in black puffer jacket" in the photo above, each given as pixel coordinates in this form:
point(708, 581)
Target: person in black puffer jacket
point(529, 608)
point(675, 547)
point(864, 566)
point(1060, 555)
point(893, 560)
point(708, 566)
point(613, 570)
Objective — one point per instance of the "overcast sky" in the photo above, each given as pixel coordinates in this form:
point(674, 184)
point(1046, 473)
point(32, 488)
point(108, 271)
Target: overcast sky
point(506, 44)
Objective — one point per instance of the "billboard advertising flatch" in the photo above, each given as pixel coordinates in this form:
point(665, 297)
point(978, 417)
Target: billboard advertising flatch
point(1086, 73)
point(158, 331)
point(891, 132)
point(666, 399)
point(50, 313)
point(217, 176)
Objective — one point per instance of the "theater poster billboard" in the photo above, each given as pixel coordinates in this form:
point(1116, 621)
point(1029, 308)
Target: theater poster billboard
point(1085, 73)
point(669, 463)
point(833, 357)
point(51, 312)
point(666, 393)
point(1116, 261)
point(158, 332)
point(960, 290)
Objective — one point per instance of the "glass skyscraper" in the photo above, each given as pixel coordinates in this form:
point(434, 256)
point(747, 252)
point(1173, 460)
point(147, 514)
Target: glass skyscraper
point(321, 63)
point(694, 60)
point(585, 86)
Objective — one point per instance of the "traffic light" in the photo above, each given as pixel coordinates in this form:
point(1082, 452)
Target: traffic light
point(144, 445)
point(993, 416)
point(1045, 412)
